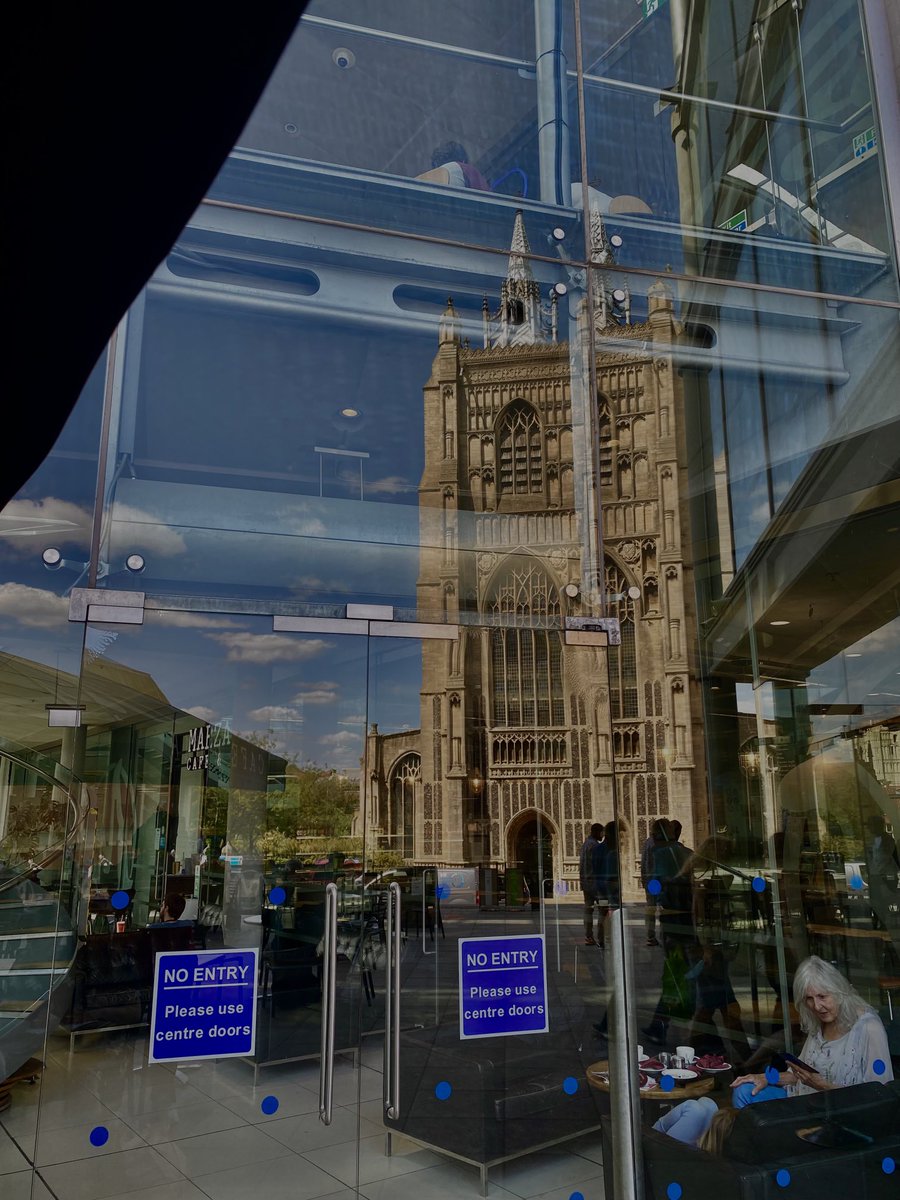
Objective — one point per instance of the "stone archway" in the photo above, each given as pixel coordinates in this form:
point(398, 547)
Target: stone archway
point(532, 845)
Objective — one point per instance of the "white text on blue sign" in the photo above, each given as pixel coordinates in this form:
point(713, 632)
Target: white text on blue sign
point(204, 1005)
point(502, 986)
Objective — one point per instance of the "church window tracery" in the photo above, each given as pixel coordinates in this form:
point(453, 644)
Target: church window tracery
point(623, 689)
point(406, 788)
point(520, 451)
point(526, 659)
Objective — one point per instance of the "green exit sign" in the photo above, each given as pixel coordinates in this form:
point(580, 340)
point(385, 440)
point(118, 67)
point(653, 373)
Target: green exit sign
point(738, 221)
point(864, 142)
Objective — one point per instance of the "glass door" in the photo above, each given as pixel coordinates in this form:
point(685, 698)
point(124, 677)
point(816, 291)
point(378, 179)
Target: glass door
point(483, 777)
point(228, 948)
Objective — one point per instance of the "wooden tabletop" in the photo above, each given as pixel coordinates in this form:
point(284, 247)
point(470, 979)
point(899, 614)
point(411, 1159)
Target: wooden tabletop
point(689, 1091)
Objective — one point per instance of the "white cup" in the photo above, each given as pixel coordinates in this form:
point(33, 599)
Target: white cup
point(686, 1053)
point(640, 1053)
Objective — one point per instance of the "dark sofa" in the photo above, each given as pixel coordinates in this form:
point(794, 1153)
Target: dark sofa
point(764, 1141)
point(508, 1092)
point(113, 977)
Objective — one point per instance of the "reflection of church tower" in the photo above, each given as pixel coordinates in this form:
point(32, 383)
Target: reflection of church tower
point(516, 725)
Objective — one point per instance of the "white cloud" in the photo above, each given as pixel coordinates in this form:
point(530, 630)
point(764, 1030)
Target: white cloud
point(276, 712)
point(318, 693)
point(139, 530)
point(33, 607)
point(191, 620)
point(390, 485)
point(357, 719)
point(29, 526)
point(202, 714)
point(268, 647)
point(344, 740)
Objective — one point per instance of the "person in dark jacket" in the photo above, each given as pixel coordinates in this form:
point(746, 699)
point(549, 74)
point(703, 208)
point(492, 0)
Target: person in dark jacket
point(590, 877)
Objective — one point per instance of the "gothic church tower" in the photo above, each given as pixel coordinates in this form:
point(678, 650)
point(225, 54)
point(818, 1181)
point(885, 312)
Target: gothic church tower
point(520, 731)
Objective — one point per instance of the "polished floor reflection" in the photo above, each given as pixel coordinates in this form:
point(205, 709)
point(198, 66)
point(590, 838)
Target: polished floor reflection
point(197, 1132)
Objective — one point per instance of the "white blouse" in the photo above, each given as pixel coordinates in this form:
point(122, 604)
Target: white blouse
point(850, 1058)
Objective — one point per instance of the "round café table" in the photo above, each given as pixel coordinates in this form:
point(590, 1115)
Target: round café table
point(598, 1077)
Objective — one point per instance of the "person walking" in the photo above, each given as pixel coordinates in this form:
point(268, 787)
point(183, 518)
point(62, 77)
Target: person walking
point(590, 877)
point(648, 850)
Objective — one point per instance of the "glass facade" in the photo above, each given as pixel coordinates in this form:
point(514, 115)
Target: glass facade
point(450, 671)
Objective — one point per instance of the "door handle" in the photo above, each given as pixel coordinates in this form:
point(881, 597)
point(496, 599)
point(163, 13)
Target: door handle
point(392, 1006)
point(329, 975)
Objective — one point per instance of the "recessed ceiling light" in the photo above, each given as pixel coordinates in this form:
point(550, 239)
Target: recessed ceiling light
point(349, 412)
point(779, 622)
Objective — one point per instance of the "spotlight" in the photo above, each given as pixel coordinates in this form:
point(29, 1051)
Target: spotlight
point(135, 563)
point(572, 590)
point(634, 592)
point(560, 289)
point(616, 241)
point(619, 296)
point(52, 558)
point(558, 234)
point(343, 58)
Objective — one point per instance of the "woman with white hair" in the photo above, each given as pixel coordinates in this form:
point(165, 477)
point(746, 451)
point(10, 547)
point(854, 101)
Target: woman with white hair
point(845, 1042)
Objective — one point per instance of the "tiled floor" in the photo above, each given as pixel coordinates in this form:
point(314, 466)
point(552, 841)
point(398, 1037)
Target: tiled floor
point(196, 1132)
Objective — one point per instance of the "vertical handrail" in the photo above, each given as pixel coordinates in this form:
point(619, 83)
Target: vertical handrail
point(628, 1166)
point(329, 975)
point(392, 1007)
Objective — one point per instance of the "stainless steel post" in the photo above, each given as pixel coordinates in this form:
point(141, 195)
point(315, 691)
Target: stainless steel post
point(329, 976)
point(552, 103)
point(391, 1094)
point(628, 1164)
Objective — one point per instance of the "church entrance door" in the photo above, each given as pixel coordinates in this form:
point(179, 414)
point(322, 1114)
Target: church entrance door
point(532, 852)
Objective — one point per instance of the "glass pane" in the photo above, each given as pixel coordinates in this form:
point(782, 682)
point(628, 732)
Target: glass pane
point(738, 144)
point(324, 494)
point(223, 761)
point(779, 527)
point(486, 776)
point(431, 119)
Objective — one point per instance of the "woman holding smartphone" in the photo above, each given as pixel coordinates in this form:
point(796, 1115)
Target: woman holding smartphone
point(845, 1042)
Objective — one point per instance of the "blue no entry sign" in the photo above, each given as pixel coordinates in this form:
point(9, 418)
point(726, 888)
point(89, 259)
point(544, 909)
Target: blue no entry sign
point(204, 1005)
point(502, 986)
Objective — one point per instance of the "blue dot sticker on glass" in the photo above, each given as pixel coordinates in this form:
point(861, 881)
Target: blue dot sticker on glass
point(442, 891)
point(758, 884)
point(570, 1085)
point(667, 1083)
point(673, 1191)
point(577, 1196)
point(269, 1105)
point(783, 1178)
point(99, 1135)
point(856, 882)
point(443, 1090)
point(888, 1165)
point(277, 895)
point(879, 1066)
point(654, 887)
point(772, 1076)
point(120, 900)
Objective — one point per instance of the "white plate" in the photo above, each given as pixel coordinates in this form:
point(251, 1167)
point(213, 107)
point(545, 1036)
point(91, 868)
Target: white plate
point(682, 1074)
point(713, 1070)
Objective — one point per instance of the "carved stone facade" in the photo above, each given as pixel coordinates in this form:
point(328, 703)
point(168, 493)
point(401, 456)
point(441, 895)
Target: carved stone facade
point(517, 725)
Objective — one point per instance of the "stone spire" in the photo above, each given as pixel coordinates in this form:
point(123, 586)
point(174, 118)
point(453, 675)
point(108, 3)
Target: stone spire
point(519, 319)
point(450, 327)
point(611, 302)
point(519, 251)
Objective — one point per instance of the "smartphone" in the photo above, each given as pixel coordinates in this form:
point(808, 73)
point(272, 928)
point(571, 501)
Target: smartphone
point(783, 1060)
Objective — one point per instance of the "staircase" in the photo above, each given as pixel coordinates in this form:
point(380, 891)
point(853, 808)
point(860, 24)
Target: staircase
point(42, 810)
